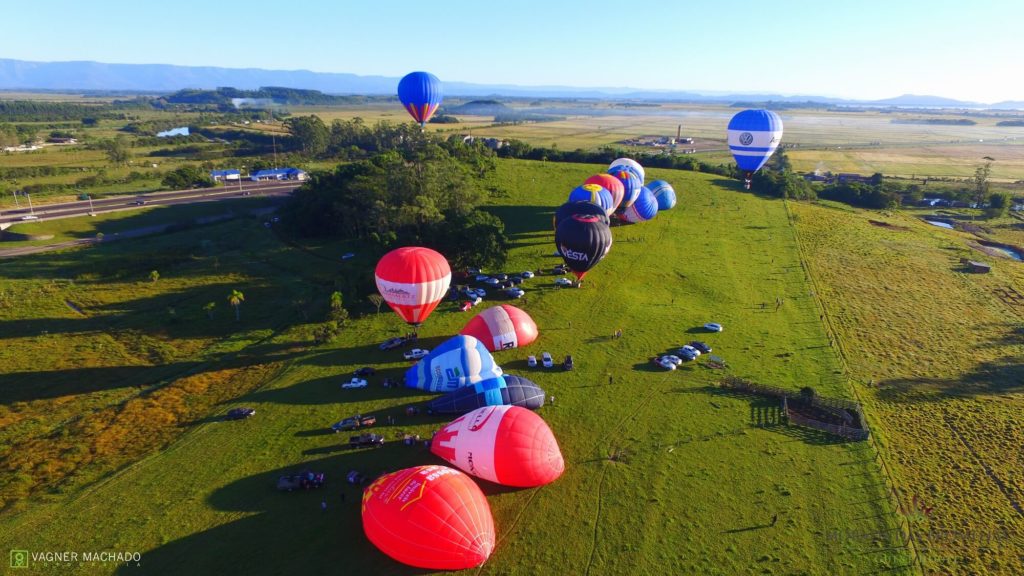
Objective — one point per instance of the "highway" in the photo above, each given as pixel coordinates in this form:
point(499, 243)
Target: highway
point(148, 200)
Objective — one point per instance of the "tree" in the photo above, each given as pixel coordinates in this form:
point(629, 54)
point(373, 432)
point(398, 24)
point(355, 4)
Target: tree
point(235, 299)
point(981, 183)
point(376, 300)
point(338, 315)
point(311, 132)
point(998, 204)
point(209, 308)
point(188, 177)
point(117, 150)
point(154, 276)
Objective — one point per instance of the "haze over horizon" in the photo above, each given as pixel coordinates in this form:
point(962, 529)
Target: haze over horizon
point(868, 51)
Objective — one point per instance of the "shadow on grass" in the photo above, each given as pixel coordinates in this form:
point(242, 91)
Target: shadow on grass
point(1003, 376)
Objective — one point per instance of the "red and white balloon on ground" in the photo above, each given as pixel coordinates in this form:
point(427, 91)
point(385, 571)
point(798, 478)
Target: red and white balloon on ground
point(502, 327)
point(413, 280)
point(507, 445)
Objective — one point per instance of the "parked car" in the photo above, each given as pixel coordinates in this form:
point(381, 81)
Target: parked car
point(527, 274)
point(689, 352)
point(515, 292)
point(348, 255)
point(713, 327)
point(673, 359)
point(482, 277)
point(516, 280)
point(357, 421)
point(546, 360)
point(561, 269)
point(664, 363)
point(416, 354)
point(492, 282)
point(364, 372)
point(478, 293)
point(366, 441)
point(701, 347)
point(355, 383)
point(240, 413)
point(392, 343)
point(563, 282)
point(568, 363)
point(355, 477)
point(531, 361)
point(304, 480)
point(501, 277)
point(473, 270)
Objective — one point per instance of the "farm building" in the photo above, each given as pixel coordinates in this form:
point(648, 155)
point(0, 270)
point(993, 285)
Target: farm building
point(279, 174)
point(225, 175)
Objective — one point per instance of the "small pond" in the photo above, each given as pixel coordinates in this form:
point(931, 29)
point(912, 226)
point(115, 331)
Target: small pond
point(940, 224)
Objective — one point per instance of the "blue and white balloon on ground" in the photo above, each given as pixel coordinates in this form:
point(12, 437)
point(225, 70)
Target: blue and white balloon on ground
point(595, 195)
point(664, 193)
point(630, 164)
point(753, 137)
point(456, 362)
point(645, 207)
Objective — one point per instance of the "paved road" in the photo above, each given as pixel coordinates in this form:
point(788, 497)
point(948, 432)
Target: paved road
point(127, 202)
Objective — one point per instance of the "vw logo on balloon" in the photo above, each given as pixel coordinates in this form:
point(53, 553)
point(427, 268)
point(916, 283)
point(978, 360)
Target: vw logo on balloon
point(746, 138)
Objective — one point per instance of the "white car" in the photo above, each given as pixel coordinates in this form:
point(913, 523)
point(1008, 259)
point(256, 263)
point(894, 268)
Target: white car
point(689, 352)
point(665, 363)
point(563, 282)
point(545, 359)
point(713, 327)
point(531, 361)
point(527, 274)
point(355, 383)
point(673, 359)
point(416, 354)
point(30, 217)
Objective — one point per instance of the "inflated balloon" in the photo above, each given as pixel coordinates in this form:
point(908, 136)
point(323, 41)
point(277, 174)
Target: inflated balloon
point(454, 363)
point(582, 241)
point(611, 184)
point(753, 137)
point(632, 164)
point(509, 390)
point(581, 208)
point(508, 445)
point(430, 517)
point(502, 327)
point(420, 93)
point(664, 193)
point(645, 207)
point(631, 184)
point(595, 195)
point(413, 280)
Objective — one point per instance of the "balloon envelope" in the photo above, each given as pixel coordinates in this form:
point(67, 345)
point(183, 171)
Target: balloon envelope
point(413, 280)
point(430, 517)
point(594, 194)
point(420, 93)
point(630, 163)
point(580, 208)
point(753, 137)
point(454, 363)
point(611, 184)
point(508, 445)
point(631, 184)
point(582, 241)
point(502, 327)
point(664, 193)
point(509, 390)
point(645, 207)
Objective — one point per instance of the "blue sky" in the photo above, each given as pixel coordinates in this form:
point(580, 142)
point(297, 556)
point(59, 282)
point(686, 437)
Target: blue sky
point(855, 49)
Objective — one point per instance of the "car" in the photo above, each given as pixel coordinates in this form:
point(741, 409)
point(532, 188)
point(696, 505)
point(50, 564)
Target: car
point(392, 343)
point(275, 219)
point(348, 255)
point(304, 480)
point(531, 361)
point(689, 352)
point(480, 293)
point(516, 280)
point(563, 282)
point(501, 277)
point(673, 359)
point(568, 363)
point(240, 413)
point(416, 354)
point(266, 224)
point(364, 372)
point(246, 193)
point(466, 306)
point(477, 300)
point(473, 270)
point(514, 293)
point(30, 217)
point(140, 202)
point(560, 269)
point(355, 477)
point(366, 441)
point(664, 363)
point(527, 274)
point(482, 277)
point(492, 282)
point(701, 347)
point(355, 383)
point(357, 421)
point(546, 360)
point(467, 293)
point(713, 327)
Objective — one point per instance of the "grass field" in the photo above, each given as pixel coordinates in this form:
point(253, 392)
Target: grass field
point(698, 478)
point(937, 353)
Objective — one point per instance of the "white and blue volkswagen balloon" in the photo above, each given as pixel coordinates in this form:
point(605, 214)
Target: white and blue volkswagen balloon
point(753, 137)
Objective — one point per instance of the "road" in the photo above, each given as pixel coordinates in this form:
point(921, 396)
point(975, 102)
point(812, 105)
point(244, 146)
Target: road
point(128, 202)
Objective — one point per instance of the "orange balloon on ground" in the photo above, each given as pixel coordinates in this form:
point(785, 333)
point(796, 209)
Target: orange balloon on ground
point(504, 444)
point(429, 517)
point(502, 327)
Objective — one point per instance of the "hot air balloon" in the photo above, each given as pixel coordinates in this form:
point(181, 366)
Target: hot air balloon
point(611, 184)
point(413, 280)
point(753, 137)
point(430, 517)
point(632, 164)
point(582, 241)
point(509, 390)
point(508, 445)
point(502, 327)
point(420, 93)
point(645, 207)
point(581, 208)
point(594, 194)
point(664, 193)
point(631, 184)
point(458, 361)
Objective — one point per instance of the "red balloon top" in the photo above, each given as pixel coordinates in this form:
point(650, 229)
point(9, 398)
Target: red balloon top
point(413, 280)
point(611, 184)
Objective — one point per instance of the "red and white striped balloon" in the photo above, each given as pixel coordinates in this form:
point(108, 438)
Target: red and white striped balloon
point(413, 280)
point(502, 327)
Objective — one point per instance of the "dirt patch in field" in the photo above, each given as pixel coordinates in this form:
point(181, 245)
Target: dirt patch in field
point(881, 224)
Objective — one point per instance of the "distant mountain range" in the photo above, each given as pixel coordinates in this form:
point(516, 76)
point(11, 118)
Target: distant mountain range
point(159, 78)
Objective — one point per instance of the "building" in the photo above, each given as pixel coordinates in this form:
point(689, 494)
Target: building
point(226, 175)
point(61, 140)
point(279, 174)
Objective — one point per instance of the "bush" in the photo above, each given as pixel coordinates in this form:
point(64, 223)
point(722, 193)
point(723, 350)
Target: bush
point(188, 177)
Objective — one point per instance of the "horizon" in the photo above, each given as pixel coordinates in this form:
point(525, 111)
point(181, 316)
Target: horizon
point(955, 55)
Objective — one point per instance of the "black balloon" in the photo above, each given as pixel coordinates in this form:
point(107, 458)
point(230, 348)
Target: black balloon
point(583, 240)
point(581, 208)
point(508, 390)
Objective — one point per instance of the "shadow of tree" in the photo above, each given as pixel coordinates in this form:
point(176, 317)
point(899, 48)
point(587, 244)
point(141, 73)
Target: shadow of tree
point(1000, 376)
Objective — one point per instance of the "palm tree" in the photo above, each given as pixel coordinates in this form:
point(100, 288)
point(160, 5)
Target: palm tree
point(210, 306)
point(235, 299)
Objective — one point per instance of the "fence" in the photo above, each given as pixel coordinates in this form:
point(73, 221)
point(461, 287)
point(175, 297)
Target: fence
point(842, 431)
point(850, 432)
